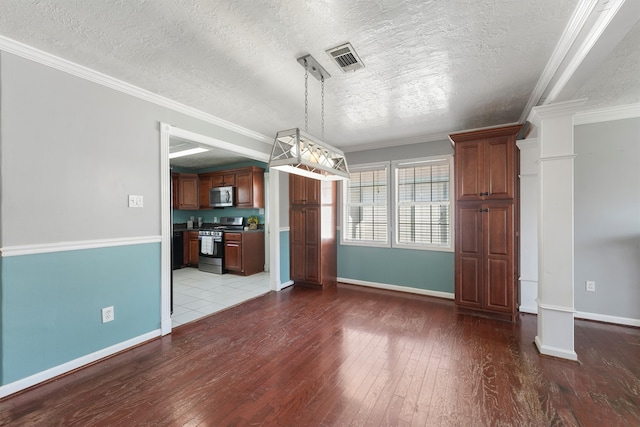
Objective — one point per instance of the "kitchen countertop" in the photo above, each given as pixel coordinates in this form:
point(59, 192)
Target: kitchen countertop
point(183, 227)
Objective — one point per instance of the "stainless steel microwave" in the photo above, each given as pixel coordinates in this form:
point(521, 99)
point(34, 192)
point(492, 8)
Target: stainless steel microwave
point(221, 197)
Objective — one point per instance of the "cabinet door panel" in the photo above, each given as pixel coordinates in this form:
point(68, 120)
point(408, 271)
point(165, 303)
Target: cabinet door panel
point(469, 160)
point(244, 190)
point(188, 191)
point(499, 253)
point(297, 245)
point(233, 256)
point(297, 189)
point(499, 288)
point(194, 251)
point(205, 185)
point(469, 255)
point(469, 281)
point(499, 165)
point(312, 243)
point(469, 230)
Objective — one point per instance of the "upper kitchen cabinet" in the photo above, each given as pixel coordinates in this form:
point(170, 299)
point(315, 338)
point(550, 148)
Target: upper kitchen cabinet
point(223, 178)
point(248, 182)
point(188, 191)
point(485, 164)
point(250, 187)
point(205, 184)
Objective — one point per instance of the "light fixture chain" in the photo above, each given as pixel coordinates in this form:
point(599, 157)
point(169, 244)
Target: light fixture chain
point(322, 97)
point(306, 97)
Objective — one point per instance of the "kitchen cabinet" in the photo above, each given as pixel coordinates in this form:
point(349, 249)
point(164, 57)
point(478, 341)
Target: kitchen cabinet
point(205, 183)
point(248, 183)
point(191, 248)
point(175, 200)
point(244, 252)
point(224, 178)
point(250, 187)
point(188, 191)
point(487, 221)
point(312, 221)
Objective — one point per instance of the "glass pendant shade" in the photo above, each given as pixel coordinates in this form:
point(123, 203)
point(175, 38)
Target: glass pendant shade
point(295, 151)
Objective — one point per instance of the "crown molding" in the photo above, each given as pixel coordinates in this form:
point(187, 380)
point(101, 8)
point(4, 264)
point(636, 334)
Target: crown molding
point(559, 109)
point(395, 142)
point(28, 52)
point(562, 49)
point(608, 114)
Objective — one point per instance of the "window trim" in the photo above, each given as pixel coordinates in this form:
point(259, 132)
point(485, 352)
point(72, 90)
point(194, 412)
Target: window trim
point(345, 194)
point(394, 211)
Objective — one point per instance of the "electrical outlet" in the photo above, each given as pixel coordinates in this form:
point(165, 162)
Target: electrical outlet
point(135, 201)
point(108, 314)
point(590, 286)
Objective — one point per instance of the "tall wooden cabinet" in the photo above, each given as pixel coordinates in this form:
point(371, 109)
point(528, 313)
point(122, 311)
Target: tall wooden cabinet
point(487, 221)
point(312, 221)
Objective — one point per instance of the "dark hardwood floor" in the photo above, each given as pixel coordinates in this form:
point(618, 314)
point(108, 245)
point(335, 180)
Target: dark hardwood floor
point(349, 356)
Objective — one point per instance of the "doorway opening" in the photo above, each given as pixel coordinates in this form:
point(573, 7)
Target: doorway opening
point(193, 277)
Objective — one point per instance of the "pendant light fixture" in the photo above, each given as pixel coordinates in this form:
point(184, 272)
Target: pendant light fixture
point(296, 151)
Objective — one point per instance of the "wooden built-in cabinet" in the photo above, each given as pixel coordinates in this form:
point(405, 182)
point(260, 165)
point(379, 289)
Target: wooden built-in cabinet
point(188, 191)
point(191, 248)
point(485, 169)
point(248, 182)
point(244, 252)
point(487, 221)
point(312, 221)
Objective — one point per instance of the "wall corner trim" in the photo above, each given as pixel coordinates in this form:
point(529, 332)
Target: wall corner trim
point(35, 379)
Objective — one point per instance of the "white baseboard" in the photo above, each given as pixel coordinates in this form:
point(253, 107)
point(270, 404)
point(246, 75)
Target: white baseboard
point(555, 351)
point(608, 319)
point(286, 284)
point(528, 309)
point(407, 289)
point(626, 321)
point(35, 379)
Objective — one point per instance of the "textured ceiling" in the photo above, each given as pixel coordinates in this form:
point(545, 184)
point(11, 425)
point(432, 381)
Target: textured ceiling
point(432, 67)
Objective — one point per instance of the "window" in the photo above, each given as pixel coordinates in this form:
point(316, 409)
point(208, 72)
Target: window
point(423, 208)
point(403, 204)
point(366, 206)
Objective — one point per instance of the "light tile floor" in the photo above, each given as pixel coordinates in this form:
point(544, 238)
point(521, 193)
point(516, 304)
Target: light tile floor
point(197, 293)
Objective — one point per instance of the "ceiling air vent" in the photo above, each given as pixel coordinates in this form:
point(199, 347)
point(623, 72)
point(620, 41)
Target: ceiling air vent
point(346, 57)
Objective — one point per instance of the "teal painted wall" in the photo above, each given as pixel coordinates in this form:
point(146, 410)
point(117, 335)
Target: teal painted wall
point(285, 273)
point(51, 304)
point(430, 270)
point(181, 216)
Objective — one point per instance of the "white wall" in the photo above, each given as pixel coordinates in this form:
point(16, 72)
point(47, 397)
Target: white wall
point(607, 218)
point(72, 150)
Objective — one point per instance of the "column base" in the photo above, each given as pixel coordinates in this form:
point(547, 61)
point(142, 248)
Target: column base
point(555, 331)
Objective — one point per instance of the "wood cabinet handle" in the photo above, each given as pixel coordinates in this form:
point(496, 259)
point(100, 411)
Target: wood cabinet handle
point(486, 193)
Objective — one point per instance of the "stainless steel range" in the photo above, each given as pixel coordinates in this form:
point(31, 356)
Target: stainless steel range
point(211, 244)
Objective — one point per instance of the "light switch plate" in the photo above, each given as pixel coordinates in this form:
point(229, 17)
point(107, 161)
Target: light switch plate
point(135, 201)
point(590, 286)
